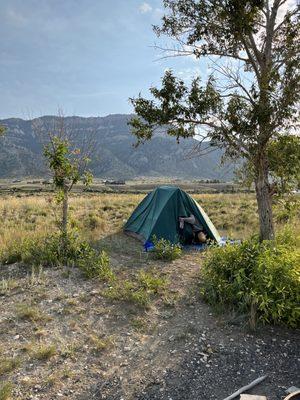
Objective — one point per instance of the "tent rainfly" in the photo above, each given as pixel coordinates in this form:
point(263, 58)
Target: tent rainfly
point(158, 215)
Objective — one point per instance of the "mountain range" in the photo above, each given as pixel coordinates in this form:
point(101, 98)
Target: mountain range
point(114, 154)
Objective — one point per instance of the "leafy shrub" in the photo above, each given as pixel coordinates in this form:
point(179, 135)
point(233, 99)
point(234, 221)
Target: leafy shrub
point(94, 264)
point(45, 251)
point(165, 250)
point(51, 250)
point(57, 249)
point(257, 278)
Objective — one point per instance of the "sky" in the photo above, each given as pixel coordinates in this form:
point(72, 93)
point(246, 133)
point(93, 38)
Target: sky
point(86, 57)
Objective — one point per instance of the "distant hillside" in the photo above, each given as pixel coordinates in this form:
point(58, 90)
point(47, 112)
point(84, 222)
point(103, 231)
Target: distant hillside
point(114, 155)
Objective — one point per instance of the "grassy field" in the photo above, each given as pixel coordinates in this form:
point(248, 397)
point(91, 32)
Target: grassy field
point(99, 215)
point(63, 336)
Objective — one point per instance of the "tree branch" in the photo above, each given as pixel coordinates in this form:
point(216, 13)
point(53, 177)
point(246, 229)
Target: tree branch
point(230, 75)
point(251, 58)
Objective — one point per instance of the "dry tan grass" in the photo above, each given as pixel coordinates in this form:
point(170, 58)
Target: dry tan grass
point(99, 215)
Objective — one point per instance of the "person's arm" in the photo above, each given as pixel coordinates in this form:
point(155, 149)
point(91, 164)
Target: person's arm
point(191, 219)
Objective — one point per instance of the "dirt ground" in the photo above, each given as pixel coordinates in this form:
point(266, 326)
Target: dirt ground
point(62, 337)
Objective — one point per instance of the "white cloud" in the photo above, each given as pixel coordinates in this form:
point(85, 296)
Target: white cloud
point(145, 8)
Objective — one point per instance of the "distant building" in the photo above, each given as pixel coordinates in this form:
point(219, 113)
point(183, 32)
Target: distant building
point(113, 182)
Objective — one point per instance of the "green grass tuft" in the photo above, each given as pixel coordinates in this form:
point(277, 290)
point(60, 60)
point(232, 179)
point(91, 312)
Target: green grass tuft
point(6, 391)
point(9, 364)
point(30, 313)
point(43, 352)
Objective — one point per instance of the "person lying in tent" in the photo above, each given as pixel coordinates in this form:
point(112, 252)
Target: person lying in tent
point(199, 234)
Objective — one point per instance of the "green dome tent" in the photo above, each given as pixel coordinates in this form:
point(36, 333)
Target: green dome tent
point(158, 214)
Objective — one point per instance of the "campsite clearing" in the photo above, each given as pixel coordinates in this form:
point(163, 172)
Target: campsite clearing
point(66, 337)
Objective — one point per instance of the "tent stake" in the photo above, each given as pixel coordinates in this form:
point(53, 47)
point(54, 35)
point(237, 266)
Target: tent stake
point(244, 388)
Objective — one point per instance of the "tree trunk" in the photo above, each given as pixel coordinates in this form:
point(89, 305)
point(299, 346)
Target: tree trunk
point(264, 199)
point(64, 224)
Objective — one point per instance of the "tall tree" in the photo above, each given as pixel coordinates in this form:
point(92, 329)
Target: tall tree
point(251, 97)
